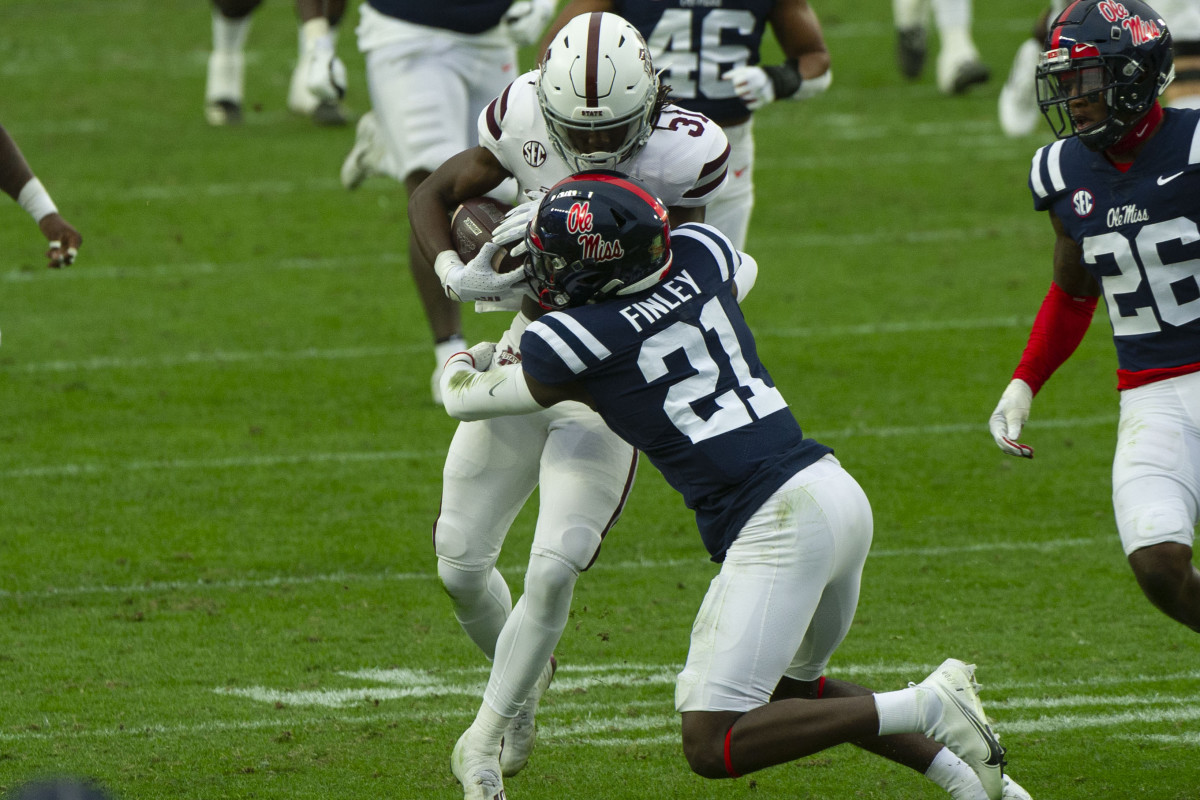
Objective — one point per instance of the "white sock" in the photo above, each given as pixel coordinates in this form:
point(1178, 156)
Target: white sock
point(950, 14)
point(229, 35)
point(954, 775)
point(488, 728)
point(311, 31)
point(911, 710)
point(443, 350)
point(910, 13)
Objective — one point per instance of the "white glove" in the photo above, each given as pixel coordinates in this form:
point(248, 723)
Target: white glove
point(752, 85)
point(1010, 416)
point(514, 226)
point(526, 19)
point(475, 280)
point(478, 358)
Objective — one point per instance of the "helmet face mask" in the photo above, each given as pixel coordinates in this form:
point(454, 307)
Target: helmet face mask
point(596, 235)
point(1105, 64)
point(598, 92)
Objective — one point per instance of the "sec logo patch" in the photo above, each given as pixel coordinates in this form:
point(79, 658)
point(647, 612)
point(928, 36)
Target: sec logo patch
point(535, 153)
point(1084, 202)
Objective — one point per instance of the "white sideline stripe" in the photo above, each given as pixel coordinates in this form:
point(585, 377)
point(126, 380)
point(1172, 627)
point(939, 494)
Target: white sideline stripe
point(601, 566)
point(1045, 724)
point(315, 353)
point(129, 271)
point(223, 463)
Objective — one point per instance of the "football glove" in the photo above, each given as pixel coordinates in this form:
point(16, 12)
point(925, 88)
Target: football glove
point(526, 19)
point(1010, 417)
point(475, 280)
point(514, 226)
point(478, 357)
point(752, 85)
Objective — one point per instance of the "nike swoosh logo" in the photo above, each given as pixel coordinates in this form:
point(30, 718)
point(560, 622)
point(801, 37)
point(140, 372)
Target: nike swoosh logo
point(995, 751)
point(1163, 180)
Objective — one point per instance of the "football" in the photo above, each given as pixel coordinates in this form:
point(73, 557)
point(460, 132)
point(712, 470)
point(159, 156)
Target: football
point(471, 226)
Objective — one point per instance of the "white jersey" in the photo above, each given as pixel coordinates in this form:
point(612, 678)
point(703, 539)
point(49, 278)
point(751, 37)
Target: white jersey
point(684, 163)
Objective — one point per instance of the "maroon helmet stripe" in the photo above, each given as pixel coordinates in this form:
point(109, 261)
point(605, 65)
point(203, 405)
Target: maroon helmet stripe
point(593, 59)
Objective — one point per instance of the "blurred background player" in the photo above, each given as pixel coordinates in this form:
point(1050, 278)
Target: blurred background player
point(1122, 190)
point(1018, 107)
point(542, 128)
point(318, 81)
point(958, 64)
point(18, 182)
point(432, 68)
point(709, 57)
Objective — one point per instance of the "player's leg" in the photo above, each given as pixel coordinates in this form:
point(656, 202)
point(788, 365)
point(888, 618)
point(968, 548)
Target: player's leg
point(1017, 105)
point(911, 20)
point(318, 81)
point(1156, 492)
point(586, 472)
point(958, 64)
point(730, 211)
point(490, 471)
point(225, 84)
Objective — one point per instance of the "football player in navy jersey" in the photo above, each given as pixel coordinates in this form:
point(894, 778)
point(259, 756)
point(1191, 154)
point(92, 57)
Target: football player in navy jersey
point(643, 325)
point(18, 182)
point(1122, 190)
point(708, 53)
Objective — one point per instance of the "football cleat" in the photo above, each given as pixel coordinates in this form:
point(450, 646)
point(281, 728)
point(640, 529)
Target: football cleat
point(302, 101)
point(326, 73)
point(366, 155)
point(911, 46)
point(522, 731)
point(962, 725)
point(1018, 106)
point(1013, 790)
point(476, 770)
point(223, 112)
point(958, 78)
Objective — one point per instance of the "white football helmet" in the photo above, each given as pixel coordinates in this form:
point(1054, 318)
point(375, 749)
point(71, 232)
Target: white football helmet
point(598, 91)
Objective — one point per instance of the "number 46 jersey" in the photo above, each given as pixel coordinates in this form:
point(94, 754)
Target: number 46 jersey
point(674, 371)
point(1140, 236)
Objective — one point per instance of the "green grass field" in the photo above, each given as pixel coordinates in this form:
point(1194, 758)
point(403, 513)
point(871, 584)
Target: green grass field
point(219, 464)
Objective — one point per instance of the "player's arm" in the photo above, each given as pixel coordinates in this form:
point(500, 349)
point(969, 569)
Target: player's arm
point(473, 389)
point(18, 182)
point(571, 10)
point(804, 72)
point(471, 173)
point(1060, 325)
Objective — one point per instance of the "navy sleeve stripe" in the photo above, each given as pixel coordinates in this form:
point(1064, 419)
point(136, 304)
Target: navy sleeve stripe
point(716, 242)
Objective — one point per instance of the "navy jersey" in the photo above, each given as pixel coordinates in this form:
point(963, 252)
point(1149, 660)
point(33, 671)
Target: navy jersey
point(694, 44)
point(462, 16)
point(1140, 236)
point(674, 371)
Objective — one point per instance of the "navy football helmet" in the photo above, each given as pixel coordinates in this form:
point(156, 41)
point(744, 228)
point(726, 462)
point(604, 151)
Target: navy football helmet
point(1116, 50)
point(596, 234)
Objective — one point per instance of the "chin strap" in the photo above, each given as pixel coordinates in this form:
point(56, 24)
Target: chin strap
point(1142, 129)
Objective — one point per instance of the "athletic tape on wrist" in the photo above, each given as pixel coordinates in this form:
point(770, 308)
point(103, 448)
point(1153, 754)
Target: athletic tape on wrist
point(36, 200)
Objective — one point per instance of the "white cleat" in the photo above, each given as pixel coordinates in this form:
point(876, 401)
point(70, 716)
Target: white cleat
point(223, 88)
point(478, 771)
point(326, 77)
point(302, 101)
point(367, 156)
point(962, 725)
point(1018, 97)
point(522, 731)
point(1013, 790)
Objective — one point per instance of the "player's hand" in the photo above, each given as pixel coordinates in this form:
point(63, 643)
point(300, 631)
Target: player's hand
point(1010, 417)
point(526, 19)
point(475, 280)
point(752, 85)
point(64, 240)
point(514, 226)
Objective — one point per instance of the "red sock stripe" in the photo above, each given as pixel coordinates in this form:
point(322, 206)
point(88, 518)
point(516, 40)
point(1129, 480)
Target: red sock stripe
point(820, 686)
point(729, 761)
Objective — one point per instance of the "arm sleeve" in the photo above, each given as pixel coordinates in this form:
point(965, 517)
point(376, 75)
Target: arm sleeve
point(1059, 327)
point(501, 391)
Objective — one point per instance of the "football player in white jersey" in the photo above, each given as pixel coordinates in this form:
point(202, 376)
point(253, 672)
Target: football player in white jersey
point(18, 182)
point(709, 55)
point(645, 327)
point(595, 102)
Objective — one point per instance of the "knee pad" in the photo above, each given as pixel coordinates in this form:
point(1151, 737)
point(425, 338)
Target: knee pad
point(549, 584)
point(462, 585)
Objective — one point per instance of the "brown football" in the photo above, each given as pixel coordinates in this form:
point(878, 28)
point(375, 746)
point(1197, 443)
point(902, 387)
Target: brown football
point(472, 225)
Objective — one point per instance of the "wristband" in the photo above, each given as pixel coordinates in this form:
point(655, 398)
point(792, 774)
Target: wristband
point(35, 200)
point(785, 79)
point(446, 261)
